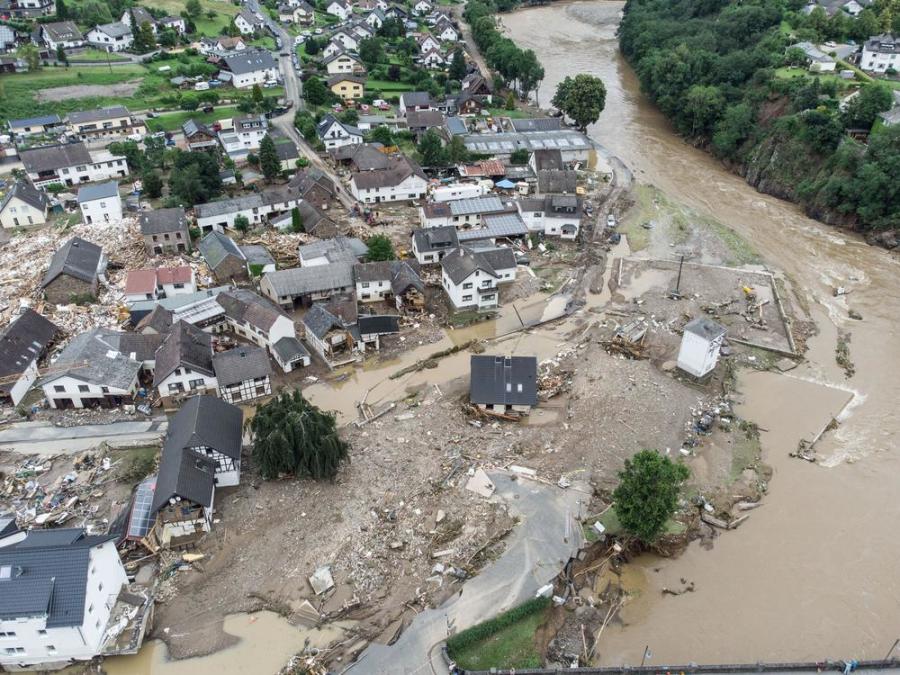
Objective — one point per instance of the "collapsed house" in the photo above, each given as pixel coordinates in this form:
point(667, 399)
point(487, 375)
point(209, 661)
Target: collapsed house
point(382, 281)
point(74, 273)
point(202, 450)
point(338, 334)
point(22, 344)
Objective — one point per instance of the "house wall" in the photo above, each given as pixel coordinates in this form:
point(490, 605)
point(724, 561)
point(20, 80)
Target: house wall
point(697, 355)
point(167, 242)
point(553, 227)
point(247, 80)
point(42, 645)
point(82, 393)
point(20, 214)
point(372, 291)
point(63, 288)
point(101, 40)
point(184, 380)
point(228, 469)
point(449, 193)
point(412, 187)
point(879, 62)
point(23, 384)
point(168, 525)
point(348, 90)
point(107, 210)
point(95, 172)
point(246, 391)
point(465, 293)
point(230, 268)
point(289, 367)
point(342, 64)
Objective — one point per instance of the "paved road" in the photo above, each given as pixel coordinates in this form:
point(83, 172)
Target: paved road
point(42, 438)
point(536, 551)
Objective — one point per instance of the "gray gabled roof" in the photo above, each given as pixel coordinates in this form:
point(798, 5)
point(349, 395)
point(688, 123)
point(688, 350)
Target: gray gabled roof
point(43, 120)
point(475, 205)
point(21, 342)
point(115, 29)
point(216, 247)
point(507, 380)
point(97, 115)
point(53, 157)
point(76, 258)
point(63, 31)
point(289, 349)
point(192, 127)
point(241, 364)
point(28, 194)
point(256, 254)
point(160, 221)
point(416, 98)
point(338, 249)
point(318, 321)
point(429, 239)
point(90, 193)
point(187, 346)
point(461, 263)
point(528, 124)
point(243, 305)
point(306, 280)
point(95, 357)
point(185, 474)
point(48, 576)
point(249, 61)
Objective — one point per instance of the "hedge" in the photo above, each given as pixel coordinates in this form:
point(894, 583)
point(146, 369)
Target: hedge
point(486, 629)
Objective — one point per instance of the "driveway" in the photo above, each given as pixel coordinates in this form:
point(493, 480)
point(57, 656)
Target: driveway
point(43, 438)
point(537, 549)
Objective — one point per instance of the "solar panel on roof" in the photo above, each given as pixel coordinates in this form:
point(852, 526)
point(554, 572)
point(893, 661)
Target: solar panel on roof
point(139, 524)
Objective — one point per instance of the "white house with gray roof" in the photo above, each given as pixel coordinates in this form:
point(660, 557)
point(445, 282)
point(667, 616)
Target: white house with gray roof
point(880, 53)
point(63, 34)
point(249, 67)
point(30, 126)
point(243, 374)
point(100, 203)
point(472, 277)
point(328, 251)
point(462, 212)
point(70, 164)
point(23, 206)
point(306, 285)
point(59, 588)
point(111, 37)
point(335, 134)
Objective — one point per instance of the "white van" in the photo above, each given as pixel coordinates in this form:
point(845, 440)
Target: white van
point(201, 86)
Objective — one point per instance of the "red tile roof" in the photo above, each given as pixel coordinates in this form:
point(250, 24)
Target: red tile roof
point(140, 281)
point(174, 275)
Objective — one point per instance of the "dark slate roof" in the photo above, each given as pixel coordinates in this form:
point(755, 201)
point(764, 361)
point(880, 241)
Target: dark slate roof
point(550, 158)
point(556, 181)
point(364, 156)
point(306, 179)
point(305, 280)
point(159, 319)
point(43, 120)
point(21, 342)
point(192, 127)
point(314, 221)
point(140, 346)
point(430, 239)
point(405, 277)
point(90, 193)
point(462, 262)
point(216, 247)
point(383, 324)
point(318, 321)
point(400, 168)
point(187, 346)
point(286, 150)
point(77, 258)
point(114, 29)
point(63, 31)
point(373, 271)
point(184, 473)
point(97, 115)
point(95, 357)
point(48, 575)
point(242, 305)
point(53, 157)
point(28, 194)
point(249, 60)
point(536, 124)
point(705, 328)
point(329, 120)
point(208, 421)
point(424, 119)
point(160, 221)
point(240, 364)
point(289, 349)
point(507, 380)
point(416, 98)
point(256, 254)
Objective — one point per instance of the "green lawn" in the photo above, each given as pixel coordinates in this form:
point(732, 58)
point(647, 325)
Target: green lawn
point(503, 112)
point(789, 72)
point(512, 646)
point(18, 97)
point(97, 55)
point(266, 42)
point(610, 520)
point(173, 121)
point(224, 13)
point(387, 85)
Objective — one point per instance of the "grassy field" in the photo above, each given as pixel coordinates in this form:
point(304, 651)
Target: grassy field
point(387, 86)
point(173, 121)
point(265, 41)
point(503, 112)
point(789, 72)
point(506, 641)
point(224, 13)
point(97, 55)
point(17, 92)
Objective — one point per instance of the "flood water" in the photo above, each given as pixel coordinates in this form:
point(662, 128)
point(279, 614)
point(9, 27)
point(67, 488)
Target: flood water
point(811, 575)
point(266, 642)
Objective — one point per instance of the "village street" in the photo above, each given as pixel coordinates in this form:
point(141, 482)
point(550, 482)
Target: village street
point(545, 538)
point(44, 438)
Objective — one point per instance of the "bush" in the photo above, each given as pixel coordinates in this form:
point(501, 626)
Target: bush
point(486, 629)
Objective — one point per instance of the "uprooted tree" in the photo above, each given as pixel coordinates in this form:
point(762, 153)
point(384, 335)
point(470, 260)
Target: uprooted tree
point(648, 493)
point(292, 436)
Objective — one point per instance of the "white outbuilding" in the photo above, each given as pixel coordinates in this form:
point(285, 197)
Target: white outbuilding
point(700, 344)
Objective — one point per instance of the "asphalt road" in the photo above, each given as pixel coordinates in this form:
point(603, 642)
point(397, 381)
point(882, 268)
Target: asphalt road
point(537, 549)
point(42, 438)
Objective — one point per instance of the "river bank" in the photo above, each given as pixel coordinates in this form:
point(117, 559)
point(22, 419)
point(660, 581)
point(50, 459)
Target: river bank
point(807, 577)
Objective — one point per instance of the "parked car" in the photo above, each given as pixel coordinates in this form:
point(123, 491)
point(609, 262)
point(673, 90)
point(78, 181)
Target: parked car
point(610, 221)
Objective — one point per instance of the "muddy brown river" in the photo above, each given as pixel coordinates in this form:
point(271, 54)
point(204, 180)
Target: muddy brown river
point(812, 574)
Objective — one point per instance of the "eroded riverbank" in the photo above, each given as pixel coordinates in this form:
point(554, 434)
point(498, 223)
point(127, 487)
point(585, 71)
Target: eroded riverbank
point(810, 576)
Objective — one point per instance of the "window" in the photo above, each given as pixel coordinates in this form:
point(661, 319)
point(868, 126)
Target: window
point(467, 285)
point(41, 631)
point(178, 285)
point(365, 284)
point(195, 384)
point(8, 634)
point(59, 387)
point(105, 390)
point(467, 298)
point(90, 609)
point(175, 387)
point(102, 205)
point(51, 649)
point(15, 650)
point(83, 387)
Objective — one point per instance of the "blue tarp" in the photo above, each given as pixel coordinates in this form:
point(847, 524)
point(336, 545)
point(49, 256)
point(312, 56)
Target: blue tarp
point(505, 184)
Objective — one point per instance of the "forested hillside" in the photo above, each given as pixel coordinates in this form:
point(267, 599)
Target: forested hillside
point(725, 75)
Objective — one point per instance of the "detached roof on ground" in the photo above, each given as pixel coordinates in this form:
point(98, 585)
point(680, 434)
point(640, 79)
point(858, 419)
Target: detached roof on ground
point(506, 380)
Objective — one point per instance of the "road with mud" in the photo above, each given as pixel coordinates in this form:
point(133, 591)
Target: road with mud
point(811, 575)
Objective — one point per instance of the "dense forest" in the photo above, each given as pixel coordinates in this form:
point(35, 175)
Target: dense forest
point(726, 75)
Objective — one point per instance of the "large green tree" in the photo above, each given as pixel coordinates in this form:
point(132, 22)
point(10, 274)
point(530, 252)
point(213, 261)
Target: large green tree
point(268, 158)
point(292, 436)
point(144, 39)
point(431, 149)
point(380, 248)
point(647, 494)
point(582, 98)
point(863, 109)
point(314, 91)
